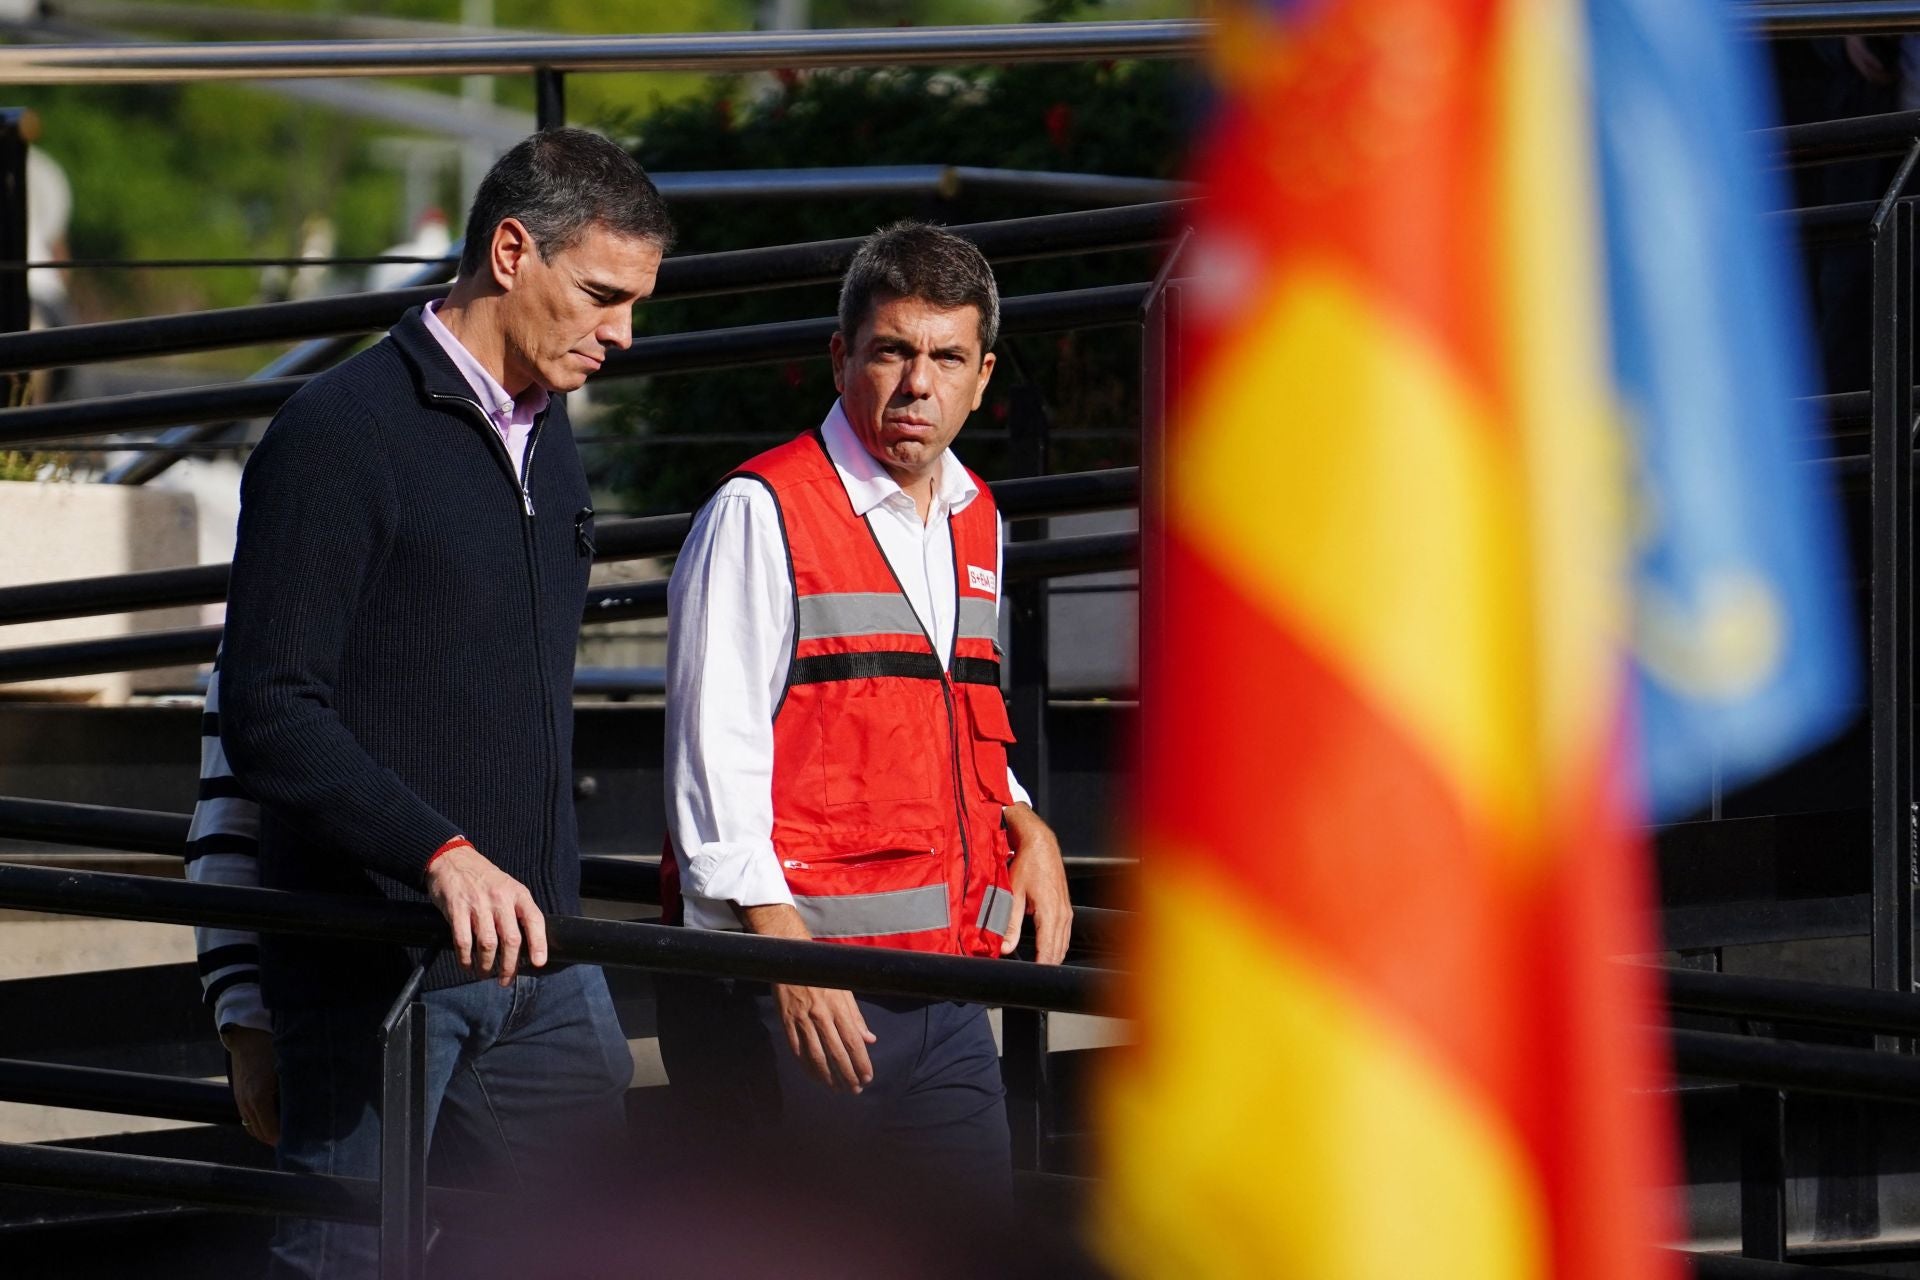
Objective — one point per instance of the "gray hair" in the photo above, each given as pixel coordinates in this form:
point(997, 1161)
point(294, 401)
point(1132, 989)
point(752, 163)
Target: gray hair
point(557, 183)
point(919, 260)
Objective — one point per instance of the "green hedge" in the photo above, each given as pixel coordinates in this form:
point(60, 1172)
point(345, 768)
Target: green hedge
point(1126, 119)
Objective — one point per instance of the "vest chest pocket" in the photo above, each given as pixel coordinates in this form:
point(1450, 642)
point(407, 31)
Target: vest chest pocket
point(879, 747)
point(992, 732)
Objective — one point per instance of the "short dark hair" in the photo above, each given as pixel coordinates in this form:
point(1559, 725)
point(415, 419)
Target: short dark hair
point(919, 260)
point(557, 183)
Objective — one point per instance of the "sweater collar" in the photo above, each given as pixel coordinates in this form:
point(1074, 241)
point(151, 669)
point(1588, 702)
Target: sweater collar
point(433, 369)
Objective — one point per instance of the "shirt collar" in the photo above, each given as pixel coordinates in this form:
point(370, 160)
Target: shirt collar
point(492, 396)
point(868, 484)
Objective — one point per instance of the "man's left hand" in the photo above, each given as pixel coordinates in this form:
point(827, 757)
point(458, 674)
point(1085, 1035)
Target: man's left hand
point(256, 1082)
point(1039, 886)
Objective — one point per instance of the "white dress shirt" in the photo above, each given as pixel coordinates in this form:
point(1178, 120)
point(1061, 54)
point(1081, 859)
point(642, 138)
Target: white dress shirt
point(730, 636)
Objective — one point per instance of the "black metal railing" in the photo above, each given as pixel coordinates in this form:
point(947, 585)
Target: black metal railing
point(610, 877)
point(548, 58)
point(187, 646)
point(658, 535)
point(1764, 1067)
point(400, 1196)
point(1065, 493)
point(733, 271)
point(1808, 19)
point(706, 349)
point(1767, 1069)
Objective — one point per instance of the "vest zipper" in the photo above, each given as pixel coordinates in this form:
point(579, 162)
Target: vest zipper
point(492, 434)
point(946, 692)
point(959, 798)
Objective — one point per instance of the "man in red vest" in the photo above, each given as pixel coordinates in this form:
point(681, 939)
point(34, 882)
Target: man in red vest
point(837, 742)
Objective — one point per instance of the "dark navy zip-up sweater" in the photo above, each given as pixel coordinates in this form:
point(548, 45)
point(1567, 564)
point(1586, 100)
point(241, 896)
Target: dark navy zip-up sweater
point(398, 658)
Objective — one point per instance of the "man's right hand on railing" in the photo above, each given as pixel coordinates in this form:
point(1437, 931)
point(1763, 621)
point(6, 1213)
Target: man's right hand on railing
point(491, 914)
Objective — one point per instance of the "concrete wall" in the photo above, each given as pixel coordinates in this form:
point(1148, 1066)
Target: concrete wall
point(51, 531)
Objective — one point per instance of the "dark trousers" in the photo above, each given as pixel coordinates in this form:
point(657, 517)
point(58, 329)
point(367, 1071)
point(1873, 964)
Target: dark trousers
point(525, 1089)
point(933, 1123)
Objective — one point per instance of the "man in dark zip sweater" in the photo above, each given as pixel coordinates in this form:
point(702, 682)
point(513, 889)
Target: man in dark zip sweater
point(396, 688)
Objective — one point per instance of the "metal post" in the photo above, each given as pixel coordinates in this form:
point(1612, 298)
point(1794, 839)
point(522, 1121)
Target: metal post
point(1763, 1173)
point(17, 128)
point(1027, 607)
point(1159, 389)
point(1023, 1063)
point(549, 98)
point(403, 1135)
point(1891, 619)
point(1023, 1048)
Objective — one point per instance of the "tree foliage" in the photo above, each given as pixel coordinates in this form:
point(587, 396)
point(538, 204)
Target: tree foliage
point(1125, 119)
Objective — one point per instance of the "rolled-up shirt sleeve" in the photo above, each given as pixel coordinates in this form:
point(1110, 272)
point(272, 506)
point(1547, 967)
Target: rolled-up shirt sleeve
point(729, 638)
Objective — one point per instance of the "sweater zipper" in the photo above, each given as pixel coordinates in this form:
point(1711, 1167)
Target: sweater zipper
point(499, 445)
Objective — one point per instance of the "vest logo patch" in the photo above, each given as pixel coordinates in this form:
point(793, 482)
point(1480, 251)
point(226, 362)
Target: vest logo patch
point(980, 579)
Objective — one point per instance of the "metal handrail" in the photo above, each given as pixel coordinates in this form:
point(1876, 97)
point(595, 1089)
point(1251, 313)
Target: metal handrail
point(307, 357)
point(605, 876)
point(145, 410)
point(133, 1093)
point(147, 651)
point(1853, 138)
point(218, 1186)
point(570, 939)
point(1815, 18)
point(186, 646)
point(734, 52)
point(667, 353)
point(1122, 227)
point(943, 180)
point(1807, 1003)
point(1720, 1266)
point(1831, 223)
point(1067, 493)
point(1802, 1068)
point(727, 52)
point(95, 826)
point(229, 21)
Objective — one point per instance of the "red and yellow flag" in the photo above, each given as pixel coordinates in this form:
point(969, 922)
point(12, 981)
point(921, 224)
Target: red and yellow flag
point(1388, 842)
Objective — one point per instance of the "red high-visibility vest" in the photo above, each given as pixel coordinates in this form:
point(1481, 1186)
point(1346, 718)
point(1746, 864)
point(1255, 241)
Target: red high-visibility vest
point(889, 772)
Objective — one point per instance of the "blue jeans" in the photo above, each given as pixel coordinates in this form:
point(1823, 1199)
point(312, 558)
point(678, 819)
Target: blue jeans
point(525, 1084)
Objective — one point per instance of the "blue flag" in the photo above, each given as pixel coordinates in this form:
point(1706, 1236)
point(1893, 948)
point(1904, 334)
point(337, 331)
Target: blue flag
point(1742, 631)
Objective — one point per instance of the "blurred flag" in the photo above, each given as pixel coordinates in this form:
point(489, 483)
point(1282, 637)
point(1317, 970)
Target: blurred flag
point(1740, 627)
point(1391, 808)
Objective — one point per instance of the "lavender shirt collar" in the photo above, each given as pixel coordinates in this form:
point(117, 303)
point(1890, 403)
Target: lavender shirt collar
point(507, 414)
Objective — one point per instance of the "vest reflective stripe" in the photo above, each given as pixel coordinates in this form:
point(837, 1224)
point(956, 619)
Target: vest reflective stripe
point(857, 613)
point(996, 910)
point(874, 915)
point(978, 620)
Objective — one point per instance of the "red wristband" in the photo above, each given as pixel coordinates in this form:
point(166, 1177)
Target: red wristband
point(458, 842)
